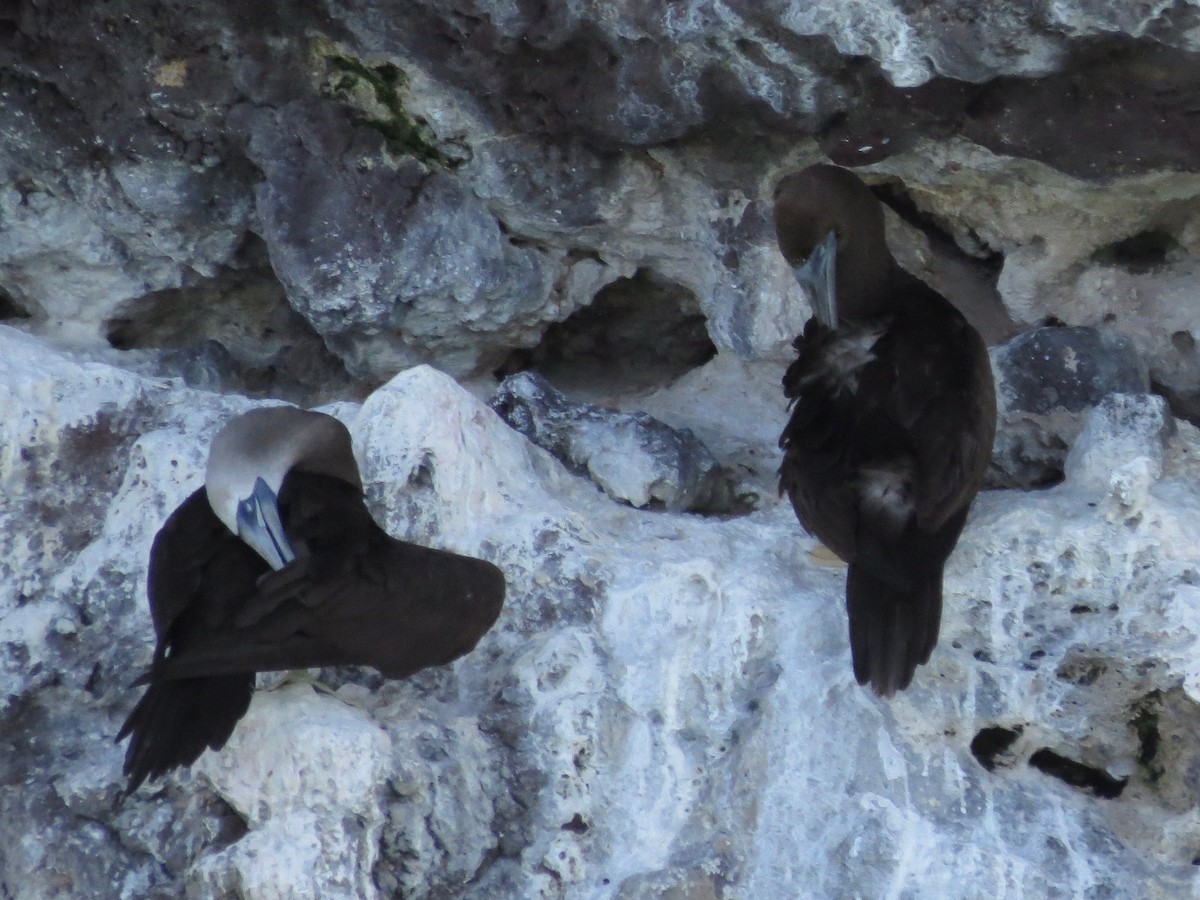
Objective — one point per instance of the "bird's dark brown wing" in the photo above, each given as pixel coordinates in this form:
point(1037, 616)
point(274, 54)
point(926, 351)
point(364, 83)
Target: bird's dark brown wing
point(354, 596)
point(409, 609)
point(920, 408)
point(198, 573)
point(933, 367)
point(834, 428)
point(197, 564)
point(921, 404)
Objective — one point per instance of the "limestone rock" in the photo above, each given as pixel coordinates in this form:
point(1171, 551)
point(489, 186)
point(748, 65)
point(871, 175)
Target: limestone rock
point(631, 456)
point(1121, 450)
point(394, 266)
point(442, 184)
point(1046, 381)
point(304, 772)
point(304, 201)
point(1120, 430)
point(666, 703)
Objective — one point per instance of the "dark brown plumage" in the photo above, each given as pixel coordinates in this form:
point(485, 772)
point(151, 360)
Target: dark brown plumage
point(893, 417)
point(351, 596)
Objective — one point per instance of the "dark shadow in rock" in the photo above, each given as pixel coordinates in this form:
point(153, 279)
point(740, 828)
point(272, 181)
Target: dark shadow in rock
point(1167, 726)
point(1081, 669)
point(1130, 97)
point(1133, 99)
point(637, 334)
point(1184, 406)
point(1145, 724)
point(10, 308)
point(1140, 253)
point(991, 743)
point(233, 332)
point(1078, 775)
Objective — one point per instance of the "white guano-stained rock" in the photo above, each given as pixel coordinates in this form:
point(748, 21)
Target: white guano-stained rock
point(305, 771)
point(665, 704)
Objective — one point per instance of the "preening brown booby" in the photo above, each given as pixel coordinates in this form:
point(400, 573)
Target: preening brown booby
point(277, 564)
point(893, 417)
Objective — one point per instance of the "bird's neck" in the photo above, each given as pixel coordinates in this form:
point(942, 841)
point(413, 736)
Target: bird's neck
point(865, 286)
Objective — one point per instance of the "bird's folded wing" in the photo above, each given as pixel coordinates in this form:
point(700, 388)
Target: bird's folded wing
point(294, 583)
point(942, 396)
point(217, 656)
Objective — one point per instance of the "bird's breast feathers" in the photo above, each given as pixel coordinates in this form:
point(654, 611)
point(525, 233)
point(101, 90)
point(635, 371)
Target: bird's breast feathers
point(837, 362)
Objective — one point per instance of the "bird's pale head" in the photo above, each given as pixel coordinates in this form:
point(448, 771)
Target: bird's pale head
point(252, 455)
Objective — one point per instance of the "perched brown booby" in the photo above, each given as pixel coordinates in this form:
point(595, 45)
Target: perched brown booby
point(893, 416)
point(277, 564)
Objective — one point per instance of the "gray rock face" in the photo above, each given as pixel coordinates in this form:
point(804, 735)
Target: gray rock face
point(666, 704)
point(440, 183)
point(1046, 382)
point(1121, 447)
point(301, 201)
point(631, 457)
point(393, 265)
point(648, 78)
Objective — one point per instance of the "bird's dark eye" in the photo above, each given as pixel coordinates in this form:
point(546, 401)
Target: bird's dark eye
point(245, 509)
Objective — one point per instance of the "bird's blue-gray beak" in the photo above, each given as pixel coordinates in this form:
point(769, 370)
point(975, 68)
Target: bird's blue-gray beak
point(259, 526)
point(817, 276)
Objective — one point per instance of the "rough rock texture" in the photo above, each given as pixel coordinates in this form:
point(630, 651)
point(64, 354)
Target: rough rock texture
point(631, 457)
point(303, 773)
point(441, 182)
point(204, 202)
point(1047, 380)
point(665, 705)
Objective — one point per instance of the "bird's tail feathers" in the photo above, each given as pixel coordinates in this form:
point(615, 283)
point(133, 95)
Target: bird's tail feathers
point(175, 721)
point(893, 626)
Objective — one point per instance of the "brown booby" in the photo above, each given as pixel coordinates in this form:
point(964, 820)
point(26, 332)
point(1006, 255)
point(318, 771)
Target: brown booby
point(893, 416)
point(277, 564)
